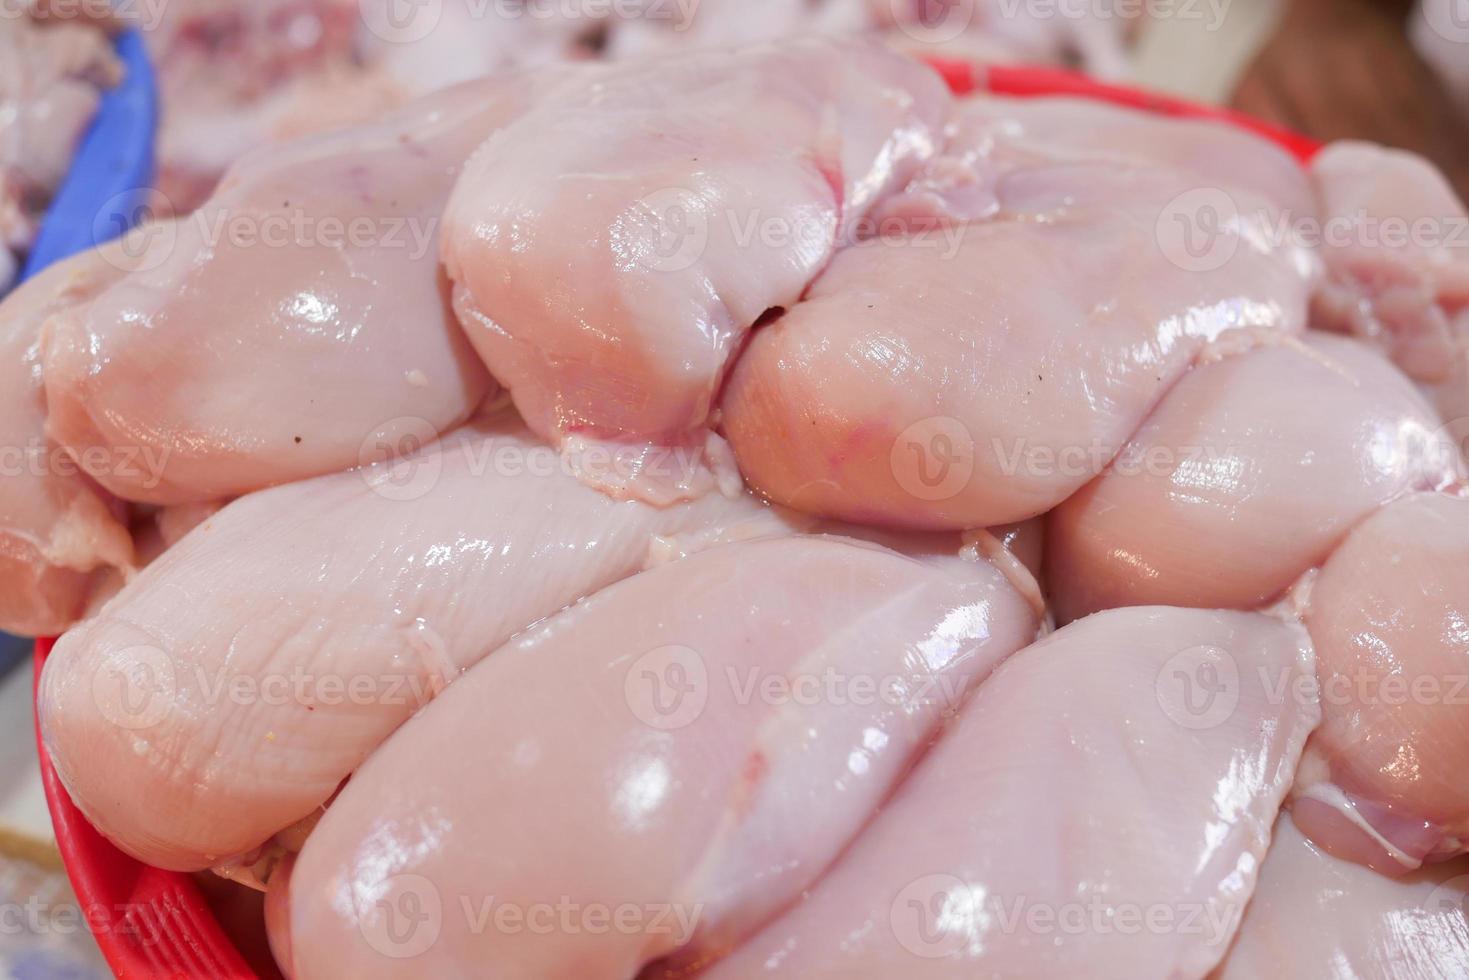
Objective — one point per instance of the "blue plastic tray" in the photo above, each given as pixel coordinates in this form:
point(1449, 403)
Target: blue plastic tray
point(106, 191)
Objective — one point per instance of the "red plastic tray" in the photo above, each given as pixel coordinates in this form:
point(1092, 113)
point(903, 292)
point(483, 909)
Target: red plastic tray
point(148, 923)
point(156, 924)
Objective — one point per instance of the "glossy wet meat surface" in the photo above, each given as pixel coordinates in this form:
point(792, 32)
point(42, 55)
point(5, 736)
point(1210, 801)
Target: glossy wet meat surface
point(1050, 565)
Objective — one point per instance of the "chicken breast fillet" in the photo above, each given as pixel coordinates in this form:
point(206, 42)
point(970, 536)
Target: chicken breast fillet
point(612, 246)
point(1316, 917)
point(689, 749)
point(228, 691)
point(60, 534)
point(309, 283)
point(1017, 313)
point(1383, 780)
point(1395, 240)
point(1250, 472)
point(1100, 809)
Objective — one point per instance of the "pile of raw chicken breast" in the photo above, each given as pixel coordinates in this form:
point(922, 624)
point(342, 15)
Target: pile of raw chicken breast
point(753, 513)
point(233, 75)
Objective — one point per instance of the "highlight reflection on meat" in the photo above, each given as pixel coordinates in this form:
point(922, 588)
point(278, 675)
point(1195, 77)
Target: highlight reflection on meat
point(744, 615)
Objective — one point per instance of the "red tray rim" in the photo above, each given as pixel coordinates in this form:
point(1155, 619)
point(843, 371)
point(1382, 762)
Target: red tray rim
point(153, 924)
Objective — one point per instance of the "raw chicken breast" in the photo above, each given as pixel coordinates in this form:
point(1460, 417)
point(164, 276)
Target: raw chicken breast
point(611, 247)
point(1315, 917)
point(1000, 339)
point(695, 744)
point(60, 534)
point(1396, 246)
point(1383, 781)
point(1100, 809)
point(236, 682)
point(1247, 475)
point(1223, 159)
point(309, 286)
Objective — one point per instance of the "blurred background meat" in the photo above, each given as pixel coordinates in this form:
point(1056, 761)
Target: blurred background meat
point(236, 75)
point(51, 77)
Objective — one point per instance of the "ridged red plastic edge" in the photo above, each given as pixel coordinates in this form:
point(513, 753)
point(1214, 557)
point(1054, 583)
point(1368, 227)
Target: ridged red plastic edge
point(964, 77)
point(155, 925)
point(150, 924)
